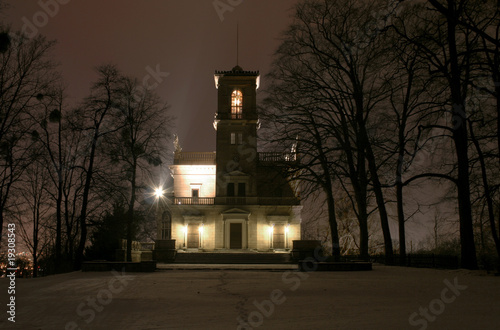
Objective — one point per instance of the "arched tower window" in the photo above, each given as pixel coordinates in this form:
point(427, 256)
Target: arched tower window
point(166, 225)
point(236, 104)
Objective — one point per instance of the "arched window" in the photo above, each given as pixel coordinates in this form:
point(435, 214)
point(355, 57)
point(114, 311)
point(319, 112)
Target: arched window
point(236, 104)
point(166, 225)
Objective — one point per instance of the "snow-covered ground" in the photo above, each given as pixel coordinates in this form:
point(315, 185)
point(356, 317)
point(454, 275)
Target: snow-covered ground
point(385, 298)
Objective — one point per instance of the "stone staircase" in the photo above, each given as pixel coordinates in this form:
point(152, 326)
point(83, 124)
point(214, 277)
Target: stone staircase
point(232, 258)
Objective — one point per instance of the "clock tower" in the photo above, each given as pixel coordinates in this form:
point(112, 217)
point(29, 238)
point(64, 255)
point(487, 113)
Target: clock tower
point(236, 122)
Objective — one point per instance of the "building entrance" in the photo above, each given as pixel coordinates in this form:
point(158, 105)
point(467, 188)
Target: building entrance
point(193, 236)
point(279, 236)
point(236, 236)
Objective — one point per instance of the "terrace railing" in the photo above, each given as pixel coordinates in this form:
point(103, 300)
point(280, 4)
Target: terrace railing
point(194, 200)
point(276, 157)
point(194, 158)
point(236, 201)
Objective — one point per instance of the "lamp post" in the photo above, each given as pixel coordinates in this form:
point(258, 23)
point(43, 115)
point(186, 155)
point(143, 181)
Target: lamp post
point(159, 193)
point(165, 250)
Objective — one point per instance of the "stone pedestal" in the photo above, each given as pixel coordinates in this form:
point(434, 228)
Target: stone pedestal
point(164, 250)
point(303, 249)
point(121, 255)
point(146, 256)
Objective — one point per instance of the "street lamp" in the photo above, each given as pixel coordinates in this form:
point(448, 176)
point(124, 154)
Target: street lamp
point(159, 192)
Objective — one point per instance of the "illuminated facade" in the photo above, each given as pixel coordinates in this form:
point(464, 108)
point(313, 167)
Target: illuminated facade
point(235, 198)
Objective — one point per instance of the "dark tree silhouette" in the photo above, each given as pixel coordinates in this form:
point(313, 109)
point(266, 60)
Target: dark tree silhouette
point(26, 73)
point(329, 67)
point(140, 143)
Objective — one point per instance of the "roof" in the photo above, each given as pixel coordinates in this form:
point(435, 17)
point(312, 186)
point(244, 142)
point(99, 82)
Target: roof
point(237, 71)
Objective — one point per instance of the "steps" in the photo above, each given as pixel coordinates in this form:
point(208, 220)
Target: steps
point(232, 258)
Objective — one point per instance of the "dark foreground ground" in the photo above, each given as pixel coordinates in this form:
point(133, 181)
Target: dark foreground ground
point(385, 298)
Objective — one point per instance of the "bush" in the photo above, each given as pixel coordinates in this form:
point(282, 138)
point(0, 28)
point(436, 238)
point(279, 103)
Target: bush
point(106, 236)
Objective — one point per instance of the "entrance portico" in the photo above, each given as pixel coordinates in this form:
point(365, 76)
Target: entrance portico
point(235, 222)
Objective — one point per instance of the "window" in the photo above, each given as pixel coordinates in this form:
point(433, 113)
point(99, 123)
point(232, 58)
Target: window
point(233, 138)
point(195, 193)
point(230, 189)
point(236, 104)
point(166, 226)
point(241, 189)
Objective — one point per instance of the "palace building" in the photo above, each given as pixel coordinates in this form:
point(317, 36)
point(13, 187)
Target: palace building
point(235, 198)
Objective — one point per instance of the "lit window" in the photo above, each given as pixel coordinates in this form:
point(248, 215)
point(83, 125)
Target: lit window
point(236, 104)
point(233, 138)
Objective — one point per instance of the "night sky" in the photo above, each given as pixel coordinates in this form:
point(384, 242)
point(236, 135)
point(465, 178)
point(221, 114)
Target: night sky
point(185, 38)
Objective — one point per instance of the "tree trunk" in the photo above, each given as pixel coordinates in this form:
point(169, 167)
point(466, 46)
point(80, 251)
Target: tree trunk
point(379, 196)
point(497, 94)
point(332, 220)
point(468, 249)
point(401, 221)
point(130, 213)
point(83, 214)
point(363, 225)
point(399, 178)
point(35, 243)
point(59, 202)
point(487, 193)
point(59, 223)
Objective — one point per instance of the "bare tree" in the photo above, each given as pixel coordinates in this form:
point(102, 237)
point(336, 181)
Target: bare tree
point(95, 118)
point(26, 72)
point(483, 18)
point(34, 211)
point(301, 127)
point(140, 143)
point(48, 133)
point(413, 104)
point(329, 67)
point(448, 47)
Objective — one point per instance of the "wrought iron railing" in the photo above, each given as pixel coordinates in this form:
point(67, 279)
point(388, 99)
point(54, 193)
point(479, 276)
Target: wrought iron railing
point(198, 157)
point(277, 156)
point(233, 115)
point(194, 200)
point(236, 201)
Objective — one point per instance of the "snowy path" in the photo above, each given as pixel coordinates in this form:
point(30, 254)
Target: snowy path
point(385, 298)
